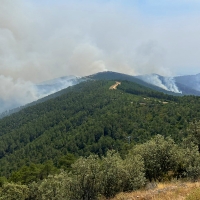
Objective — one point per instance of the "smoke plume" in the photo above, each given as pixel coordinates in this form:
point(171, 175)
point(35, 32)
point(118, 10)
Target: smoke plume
point(42, 40)
point(167, 83)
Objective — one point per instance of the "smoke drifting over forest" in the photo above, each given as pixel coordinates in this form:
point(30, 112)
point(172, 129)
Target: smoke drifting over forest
point(40, 41)
point(167, 83)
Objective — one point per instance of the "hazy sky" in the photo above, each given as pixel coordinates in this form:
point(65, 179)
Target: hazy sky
point(44, 39)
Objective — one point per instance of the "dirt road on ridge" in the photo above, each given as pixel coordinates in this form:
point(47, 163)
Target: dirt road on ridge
point(114, 87)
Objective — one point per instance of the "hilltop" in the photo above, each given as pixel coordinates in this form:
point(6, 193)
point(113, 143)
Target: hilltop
point(176, 86)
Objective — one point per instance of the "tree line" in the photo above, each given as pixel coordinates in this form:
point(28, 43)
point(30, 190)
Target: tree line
point(94, 177)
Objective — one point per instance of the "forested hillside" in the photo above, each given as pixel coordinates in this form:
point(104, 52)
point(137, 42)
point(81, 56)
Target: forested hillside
point(109, 75)
point(90, 119)
point(57, 84)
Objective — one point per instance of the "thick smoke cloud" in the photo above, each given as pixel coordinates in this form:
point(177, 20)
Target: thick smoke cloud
point(167, 83)
point(40, 41)
point(15, 93)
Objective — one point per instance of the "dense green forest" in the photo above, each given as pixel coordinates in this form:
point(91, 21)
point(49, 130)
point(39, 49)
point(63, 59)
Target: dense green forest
point(109, 75)
point(108, 136)
point(90, 118)
point(158, 159)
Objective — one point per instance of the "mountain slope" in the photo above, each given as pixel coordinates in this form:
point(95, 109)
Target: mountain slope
point(119, 76)
point(47, 90)
point(185, 85)
point(89, 118)
point(168, 85)
point(191, 81)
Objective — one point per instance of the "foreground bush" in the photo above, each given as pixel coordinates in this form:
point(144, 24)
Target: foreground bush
point(191, 162)
point(11, 191)
point(163, 159)
point(107, 176)
point(134, 166)
point(54, 187)
point(89, 178)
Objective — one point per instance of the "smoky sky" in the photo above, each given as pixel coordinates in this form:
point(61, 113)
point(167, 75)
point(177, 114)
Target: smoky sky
point(40, 41)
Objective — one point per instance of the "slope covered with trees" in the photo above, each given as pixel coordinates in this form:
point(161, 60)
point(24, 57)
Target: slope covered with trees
point(95, 178)
point(90, 118)
point(54, 85)
point(88, 141)
point(109, 75)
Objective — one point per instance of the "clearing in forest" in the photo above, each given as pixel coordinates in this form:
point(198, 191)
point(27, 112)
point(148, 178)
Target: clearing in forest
point(114, 87)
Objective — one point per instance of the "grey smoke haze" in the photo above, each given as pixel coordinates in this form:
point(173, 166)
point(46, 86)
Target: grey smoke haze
point(40, 41)
point(167, 83)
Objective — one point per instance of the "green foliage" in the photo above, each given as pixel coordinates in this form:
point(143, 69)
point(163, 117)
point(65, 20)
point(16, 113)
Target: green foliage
point(92, 177)
point(121, 175)
point(139, 83)
point(80, 132)
point(33, 172)
point(140, 90)
point(194, 129)
point(135, 170)
point(114, 174)
point(55, 187)
point(11, 191)
point(191, 160)
point(160, 157)
point(91, 119)
point(87, 178)
point(3, 180)
point(65, 162)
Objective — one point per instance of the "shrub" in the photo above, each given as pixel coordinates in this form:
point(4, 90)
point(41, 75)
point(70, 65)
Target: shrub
point(160, 156)
point(134, 166)
point(86, 178)
point(54, 187)
point(10, 191)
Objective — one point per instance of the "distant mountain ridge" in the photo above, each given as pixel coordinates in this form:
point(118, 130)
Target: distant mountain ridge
point(177, 86)
point(109, 75)
point(185, 85)
point(191, 81)
point(167, 83)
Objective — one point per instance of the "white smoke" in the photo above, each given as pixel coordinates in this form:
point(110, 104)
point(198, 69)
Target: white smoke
point(15, 93)
point(52, 86)
point(41, 40)
point(166, 83)
point(171, 85)
point(19, 92)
